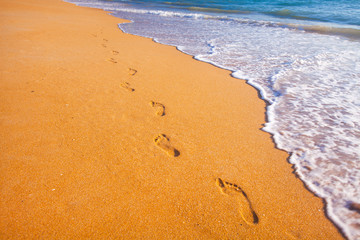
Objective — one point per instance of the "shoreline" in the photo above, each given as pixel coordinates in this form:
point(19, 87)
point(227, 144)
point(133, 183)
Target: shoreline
point(334, 219)
point(87, 155)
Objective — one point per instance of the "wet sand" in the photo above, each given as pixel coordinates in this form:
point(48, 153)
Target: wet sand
point(106, 135)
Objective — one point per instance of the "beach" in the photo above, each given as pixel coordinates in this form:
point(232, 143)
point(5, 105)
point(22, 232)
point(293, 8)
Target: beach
point(108, 135)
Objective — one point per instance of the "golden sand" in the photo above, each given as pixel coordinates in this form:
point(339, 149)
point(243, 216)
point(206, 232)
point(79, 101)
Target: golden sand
point(84, 155)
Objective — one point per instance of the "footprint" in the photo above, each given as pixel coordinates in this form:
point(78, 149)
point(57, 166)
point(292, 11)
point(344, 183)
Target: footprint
point(112, 60)
point(115, 52)
point(246, 211)
point(105, 40)
point(163, 142)
point(104, 45)
point(132, 71)
point(293, 235)
point(126, 86)
point(160, 108)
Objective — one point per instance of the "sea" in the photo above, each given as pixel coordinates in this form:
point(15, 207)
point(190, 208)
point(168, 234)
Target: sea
point(303, 56)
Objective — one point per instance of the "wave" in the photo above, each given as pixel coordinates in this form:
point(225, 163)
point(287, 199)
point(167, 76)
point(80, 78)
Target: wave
point(178, 3)
point(286, 13)
point(351, 33)
point(158, 12)
point(216, 10)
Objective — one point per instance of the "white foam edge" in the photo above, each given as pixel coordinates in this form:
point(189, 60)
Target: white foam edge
point(298, 170)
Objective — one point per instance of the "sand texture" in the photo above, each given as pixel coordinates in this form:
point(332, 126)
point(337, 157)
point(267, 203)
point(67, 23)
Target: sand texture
point(106, 135)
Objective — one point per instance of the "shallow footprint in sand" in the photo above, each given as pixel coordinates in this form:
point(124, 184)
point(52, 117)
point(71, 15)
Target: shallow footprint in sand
point(293, 235)
point(132, 71)
point(104, 43)
point(160, 109)
point(115, 52)
point(246, 211)
point(163, 142)
point(112, 60)
point(126, 86)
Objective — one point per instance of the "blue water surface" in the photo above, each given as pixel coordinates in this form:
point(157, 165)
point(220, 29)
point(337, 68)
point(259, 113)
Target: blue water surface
point(332, 11)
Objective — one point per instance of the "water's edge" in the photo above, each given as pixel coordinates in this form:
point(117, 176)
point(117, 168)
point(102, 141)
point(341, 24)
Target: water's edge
point(328, 212)
point(336, 222)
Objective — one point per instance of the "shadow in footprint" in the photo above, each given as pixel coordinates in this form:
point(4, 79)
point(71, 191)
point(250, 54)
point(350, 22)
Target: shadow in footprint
point(246, 211)
point(164, 144)
point(126, 86)
point(160, 109)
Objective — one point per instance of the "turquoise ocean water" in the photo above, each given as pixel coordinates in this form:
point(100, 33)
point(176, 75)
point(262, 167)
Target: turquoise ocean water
point(304, 58)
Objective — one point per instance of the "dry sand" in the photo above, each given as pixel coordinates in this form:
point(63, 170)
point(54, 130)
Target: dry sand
point(106, 135)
